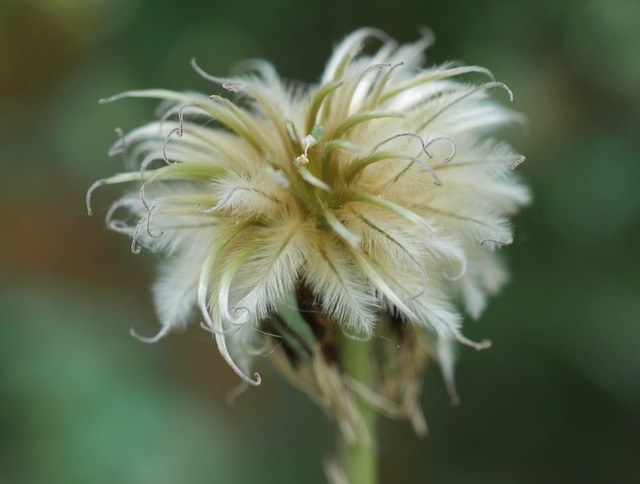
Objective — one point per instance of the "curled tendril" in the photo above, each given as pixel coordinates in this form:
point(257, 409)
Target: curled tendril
point(143, 195)
point(399, 135)
point(507, 241)
point(375, 67)
point(120, 178)
point(199, 209)
point(519, 161)
point(178, 130)
point(135, 247)
point(383, 82)
point(424, 149)
point(148, 219)
point(425, 146)
point(359, 78)
point(504, 87)
point(179, 110)
point(447, 139)
point(92, 188)
point(118, 226)
point(228, 84)
point(151, 339)
point(487, 85)
point(165, 143)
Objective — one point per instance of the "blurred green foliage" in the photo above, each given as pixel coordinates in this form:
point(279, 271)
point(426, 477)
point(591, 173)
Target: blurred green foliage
point(556, 400)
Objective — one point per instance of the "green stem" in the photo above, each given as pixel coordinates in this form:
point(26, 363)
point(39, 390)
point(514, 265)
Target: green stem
point(360, 458)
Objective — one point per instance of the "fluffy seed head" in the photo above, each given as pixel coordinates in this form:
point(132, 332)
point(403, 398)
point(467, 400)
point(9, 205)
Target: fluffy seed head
point(375, 197)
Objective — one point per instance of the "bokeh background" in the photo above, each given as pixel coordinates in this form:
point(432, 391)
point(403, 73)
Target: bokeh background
point(557, 398)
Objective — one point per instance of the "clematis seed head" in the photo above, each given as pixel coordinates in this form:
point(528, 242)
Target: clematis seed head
point(370, 204)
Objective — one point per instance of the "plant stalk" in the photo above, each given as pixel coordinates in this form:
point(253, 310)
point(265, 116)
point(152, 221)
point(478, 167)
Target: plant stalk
point(359, 459)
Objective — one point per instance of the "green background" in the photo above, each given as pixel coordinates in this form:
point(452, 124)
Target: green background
point(557, 398)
